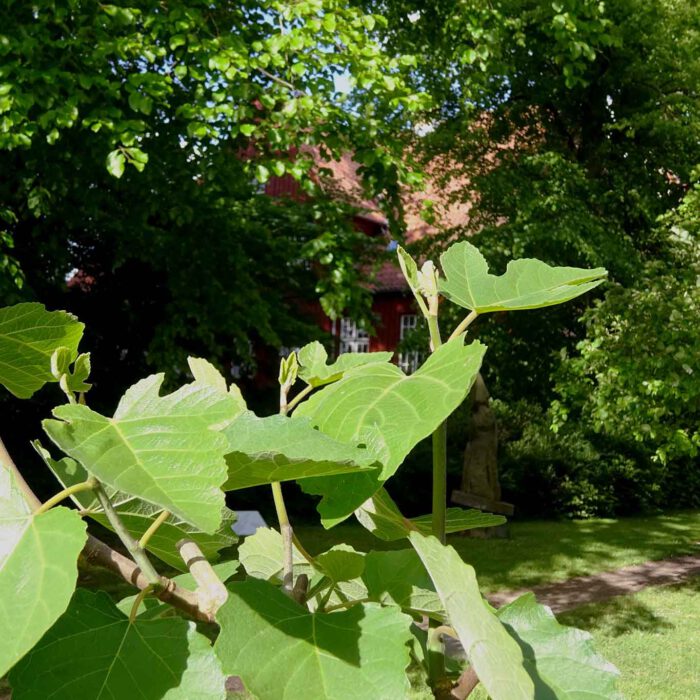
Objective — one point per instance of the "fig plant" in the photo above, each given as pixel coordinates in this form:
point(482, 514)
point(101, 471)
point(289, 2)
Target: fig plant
point(341, 624)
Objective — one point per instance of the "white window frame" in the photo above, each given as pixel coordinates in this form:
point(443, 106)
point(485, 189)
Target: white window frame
point(353, 337)
point(408, 361)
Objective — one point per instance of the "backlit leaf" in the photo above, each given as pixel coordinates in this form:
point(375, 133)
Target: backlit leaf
point(526, 283)
point(281, 651)
point(163, 449)
point(93, 651)
point(459, 520)
point(494, 654)
point(262, 554)
point(561, 661)
point(390, 412)
point(29, 335)
point(315, 370)
point(278, 448)
point(38, 569)
point(138, 515)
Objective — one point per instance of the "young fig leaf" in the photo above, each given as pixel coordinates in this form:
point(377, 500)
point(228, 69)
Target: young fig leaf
point(526, 283)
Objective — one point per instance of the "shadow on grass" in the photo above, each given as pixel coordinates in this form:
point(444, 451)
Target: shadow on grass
point(625, 614)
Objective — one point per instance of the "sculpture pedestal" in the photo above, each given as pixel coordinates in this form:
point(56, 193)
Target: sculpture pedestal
point(480, 486)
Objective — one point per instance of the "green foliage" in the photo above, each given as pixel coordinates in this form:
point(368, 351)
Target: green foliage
point(261, 556)
point(402, 411)
point(29, 335)
point(357, 653)
point(140, 137)
point(315, 370)
point(138, 514)
point(38, 568)
point(561, 660)
point(526, 284)
point(139, 442)
point(334, 625)
point(277, 448)
point(496, 658)
point(95, 651)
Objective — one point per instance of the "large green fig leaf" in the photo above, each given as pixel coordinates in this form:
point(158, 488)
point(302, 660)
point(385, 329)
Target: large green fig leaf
point(526, 283)
point(390, 412)
point(163, 449)
point(29, 335)
point(382, 518)
point(95, 652)
point(494, 654)
point(38, 569)
point(398, 577)
point(278, 448)
point(561, 661)
point(138, 515)
point(281, 651)
point(315, 370)
point(262, 554)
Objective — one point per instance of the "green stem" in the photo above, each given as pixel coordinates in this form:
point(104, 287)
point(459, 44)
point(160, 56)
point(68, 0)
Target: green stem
point(287, 537)
point(434, 329)
point(466, 322)
point(302, 549)
point(88, 485)
point(164, 515)
point(299, 398)
point(436, 656)
point(137, 603)
point(439, 443)
point(440, 482)
point(133, 547)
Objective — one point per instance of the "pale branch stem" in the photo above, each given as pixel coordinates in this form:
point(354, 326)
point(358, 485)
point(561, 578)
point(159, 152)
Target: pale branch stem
point(211, 592)
point(465, 685)
point(299, 398)
point(87, 485)
point(98, 553)
point(137, 602)
point(434, 329)
point(287, 537)
point(466, 322)
point(153, 527)
point(132, 546)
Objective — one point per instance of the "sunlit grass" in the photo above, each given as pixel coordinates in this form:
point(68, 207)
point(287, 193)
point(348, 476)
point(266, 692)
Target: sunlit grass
point(546, 551)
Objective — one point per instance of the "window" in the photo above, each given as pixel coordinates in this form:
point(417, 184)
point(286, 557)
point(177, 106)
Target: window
point(410, 360)
point(353, 338)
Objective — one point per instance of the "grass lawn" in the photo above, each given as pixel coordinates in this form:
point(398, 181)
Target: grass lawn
point(652, 637)
point(547, 551)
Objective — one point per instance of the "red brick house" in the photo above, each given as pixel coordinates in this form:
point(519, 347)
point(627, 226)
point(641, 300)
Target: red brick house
point(393, 305)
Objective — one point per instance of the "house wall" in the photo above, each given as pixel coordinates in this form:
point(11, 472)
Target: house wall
point(389, 307)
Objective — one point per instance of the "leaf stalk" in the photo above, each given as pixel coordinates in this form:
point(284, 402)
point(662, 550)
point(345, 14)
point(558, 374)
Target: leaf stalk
point(87, 485)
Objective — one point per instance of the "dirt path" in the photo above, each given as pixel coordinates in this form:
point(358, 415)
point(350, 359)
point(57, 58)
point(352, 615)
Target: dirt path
point(570, 594)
